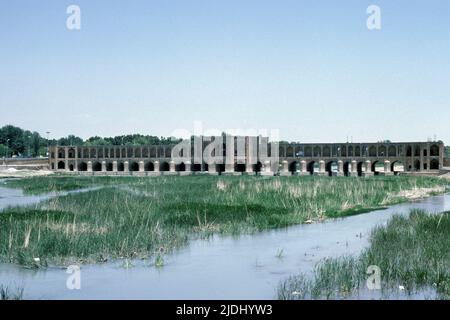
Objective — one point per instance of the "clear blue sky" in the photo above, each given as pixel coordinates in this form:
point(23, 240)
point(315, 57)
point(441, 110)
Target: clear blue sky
point(309, 68)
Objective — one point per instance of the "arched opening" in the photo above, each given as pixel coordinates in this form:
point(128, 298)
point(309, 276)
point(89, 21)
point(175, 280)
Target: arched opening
point(53, 166)
point(358, 151)
point(434, 151)
point(257, 167)
point(149, 166)
point(134, 166)
point(332, 168)
point(350, 151)
point(71, 153)
point(425, 152)
point(392, 151)
point(343, 151)
point(70, 167)
point(317, 152)
point(120, 166)
point(93, 153)
point(347, 168)
point(417, 151)
point(360, 168)
point(61, 153)
point(313, 167)
point(82, 166)
point(326, 151)
point(434, 164)
point(137, 152)
point(109, 166)
point(239, 167)
point(397, 166)
point(372, 151)
point(220, 167)
point(290, 152)
point(164, 166)
point(417, 165)
point(197, 167)
point(377, 167)
point(382, 151)
point(409, 151)
point(61, 165)
point(294, 167)
point(96, 166)
point(180, 167)
point(308, 151)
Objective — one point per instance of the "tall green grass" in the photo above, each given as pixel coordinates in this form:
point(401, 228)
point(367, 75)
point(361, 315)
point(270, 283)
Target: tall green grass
point(412, 252)
point(143, 217)
point(7, 294)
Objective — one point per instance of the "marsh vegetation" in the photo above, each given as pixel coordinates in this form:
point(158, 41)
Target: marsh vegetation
point(412, 254)
point(131, 217)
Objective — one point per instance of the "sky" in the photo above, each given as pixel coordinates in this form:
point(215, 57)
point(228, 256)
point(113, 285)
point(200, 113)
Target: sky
point(309, 68)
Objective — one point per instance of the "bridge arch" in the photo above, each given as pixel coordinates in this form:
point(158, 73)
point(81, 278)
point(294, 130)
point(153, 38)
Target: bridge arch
point(332, 168)
point(149, 166)
point(313, 167)
point(109, 166)
point(377, 167)
point(96, 166)
point(417, 165)
point(294, 166)
point(347, 168)
point(434, 164)
point(180, 167)
point(82, 166)
point(220, 167)
point(397, 166)
point(120, 166)
point(164, 166)
point(257, 167)
point(240, 167)
point(360, 168)
point(61, 165)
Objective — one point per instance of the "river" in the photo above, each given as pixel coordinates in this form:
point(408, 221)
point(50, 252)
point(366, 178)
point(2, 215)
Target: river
point(222, 267)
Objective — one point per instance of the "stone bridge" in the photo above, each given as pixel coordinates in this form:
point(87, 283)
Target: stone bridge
point(337, 159)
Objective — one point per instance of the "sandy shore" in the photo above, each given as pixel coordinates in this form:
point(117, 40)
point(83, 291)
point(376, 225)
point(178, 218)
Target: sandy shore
point(14, 173)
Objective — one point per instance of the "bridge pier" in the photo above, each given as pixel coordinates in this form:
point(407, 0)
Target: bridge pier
point(266, 170)
point(387, 169)
point(284, 168)
point(368, 169)
point(354, 169)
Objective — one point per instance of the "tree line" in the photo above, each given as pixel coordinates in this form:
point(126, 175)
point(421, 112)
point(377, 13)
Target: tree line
point(15, 141)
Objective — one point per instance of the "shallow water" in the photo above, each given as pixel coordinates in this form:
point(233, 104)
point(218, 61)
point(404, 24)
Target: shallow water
point(11, 197)
point(246, 267)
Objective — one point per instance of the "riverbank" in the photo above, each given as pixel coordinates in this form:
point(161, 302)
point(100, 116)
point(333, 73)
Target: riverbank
point(23, 173)
point(148, 217)
point(410, 253)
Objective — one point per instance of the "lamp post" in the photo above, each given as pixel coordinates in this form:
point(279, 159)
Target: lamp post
point(48, 149)
point(7, 148)
point(28, 145)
